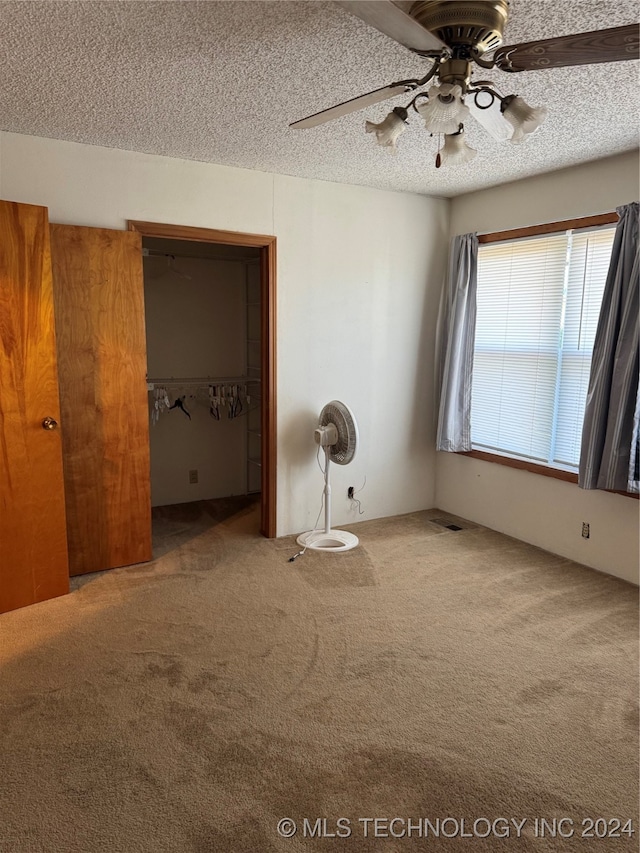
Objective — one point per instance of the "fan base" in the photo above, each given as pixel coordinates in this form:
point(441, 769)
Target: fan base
point(334, 540)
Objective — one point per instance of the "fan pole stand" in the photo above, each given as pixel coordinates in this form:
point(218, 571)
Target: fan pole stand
point(327, 539)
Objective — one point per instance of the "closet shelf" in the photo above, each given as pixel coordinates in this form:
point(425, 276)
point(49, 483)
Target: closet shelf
point(203, 380)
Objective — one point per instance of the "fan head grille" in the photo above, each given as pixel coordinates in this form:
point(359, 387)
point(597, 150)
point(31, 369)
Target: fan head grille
point(339, 414)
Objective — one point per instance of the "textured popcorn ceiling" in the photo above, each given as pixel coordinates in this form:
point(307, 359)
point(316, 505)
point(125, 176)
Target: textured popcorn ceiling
point(220, 81)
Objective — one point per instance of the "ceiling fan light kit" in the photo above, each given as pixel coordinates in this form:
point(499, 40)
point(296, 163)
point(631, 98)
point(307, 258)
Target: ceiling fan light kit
point(388, 131)
point(525, 119)
point(455, 149)
point(444, 110)
point(454, 37)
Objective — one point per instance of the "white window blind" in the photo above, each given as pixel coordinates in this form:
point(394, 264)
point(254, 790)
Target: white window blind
point(537, 311)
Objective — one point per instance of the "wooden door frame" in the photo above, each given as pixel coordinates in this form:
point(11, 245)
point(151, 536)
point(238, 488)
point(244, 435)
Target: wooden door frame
point(267, 246)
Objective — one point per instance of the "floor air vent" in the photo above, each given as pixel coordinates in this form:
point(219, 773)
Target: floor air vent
point(448, 523)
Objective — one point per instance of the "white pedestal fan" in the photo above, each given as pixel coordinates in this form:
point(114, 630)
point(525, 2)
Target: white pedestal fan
point(337, 433)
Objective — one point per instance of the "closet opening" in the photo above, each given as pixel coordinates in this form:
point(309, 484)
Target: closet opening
point(209, 309)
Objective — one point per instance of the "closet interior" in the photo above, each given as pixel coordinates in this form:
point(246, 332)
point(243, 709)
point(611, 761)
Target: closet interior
point(203, 332)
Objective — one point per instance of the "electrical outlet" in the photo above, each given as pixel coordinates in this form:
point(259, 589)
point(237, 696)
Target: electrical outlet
point(193, 476)
point(351, 492)
point(585, 530)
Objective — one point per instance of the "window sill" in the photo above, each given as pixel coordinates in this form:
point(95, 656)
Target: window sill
point(532, 467)
point(523, 465)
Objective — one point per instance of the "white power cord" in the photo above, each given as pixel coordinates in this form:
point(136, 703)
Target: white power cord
point(355, 500)
point(315, 526)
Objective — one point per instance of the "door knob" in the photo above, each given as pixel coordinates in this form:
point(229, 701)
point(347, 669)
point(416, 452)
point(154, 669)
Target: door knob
point(49, 423)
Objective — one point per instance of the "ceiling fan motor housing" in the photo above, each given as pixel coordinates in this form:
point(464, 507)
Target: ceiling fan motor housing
point(476, 25)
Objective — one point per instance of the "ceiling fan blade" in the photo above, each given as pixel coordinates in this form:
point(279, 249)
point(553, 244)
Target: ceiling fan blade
point(491, 119)
point(353, 105)
point(611, 45)
point(386, 17)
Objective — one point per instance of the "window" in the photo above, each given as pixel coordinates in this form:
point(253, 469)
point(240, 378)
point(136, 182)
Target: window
point(538, 303)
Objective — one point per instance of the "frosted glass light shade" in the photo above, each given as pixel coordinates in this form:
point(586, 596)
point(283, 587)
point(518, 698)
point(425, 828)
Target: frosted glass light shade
point(455, 149)
point(445, 109)
point(388, 131)
point(525, 119)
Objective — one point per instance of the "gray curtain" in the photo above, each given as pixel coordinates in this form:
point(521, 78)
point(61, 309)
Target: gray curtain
point(458, 327)
point(608, 457)
point(634, 463)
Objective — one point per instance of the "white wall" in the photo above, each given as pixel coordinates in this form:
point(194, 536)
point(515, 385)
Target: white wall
point(359, 276)
point(196, 326)
point(359, 318)
point(546, 512)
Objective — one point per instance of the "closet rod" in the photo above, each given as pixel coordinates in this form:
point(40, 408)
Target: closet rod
point(206, 380)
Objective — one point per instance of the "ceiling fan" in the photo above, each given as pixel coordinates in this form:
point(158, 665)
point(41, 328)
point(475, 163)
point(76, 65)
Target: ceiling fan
point(456, 35)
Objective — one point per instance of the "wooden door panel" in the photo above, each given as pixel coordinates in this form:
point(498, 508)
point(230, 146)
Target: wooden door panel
point(99, 302)
point(33, 545)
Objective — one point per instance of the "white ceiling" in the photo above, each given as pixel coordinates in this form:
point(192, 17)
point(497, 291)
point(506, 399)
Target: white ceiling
point(220, 81)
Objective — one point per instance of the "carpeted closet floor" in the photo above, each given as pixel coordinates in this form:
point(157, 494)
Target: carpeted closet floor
point(192, 703)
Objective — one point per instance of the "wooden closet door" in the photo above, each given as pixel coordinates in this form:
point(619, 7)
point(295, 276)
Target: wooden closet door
point(99, 306)
point(33, 544)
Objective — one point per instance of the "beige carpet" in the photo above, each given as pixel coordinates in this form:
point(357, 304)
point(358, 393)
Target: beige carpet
point(192, 703)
